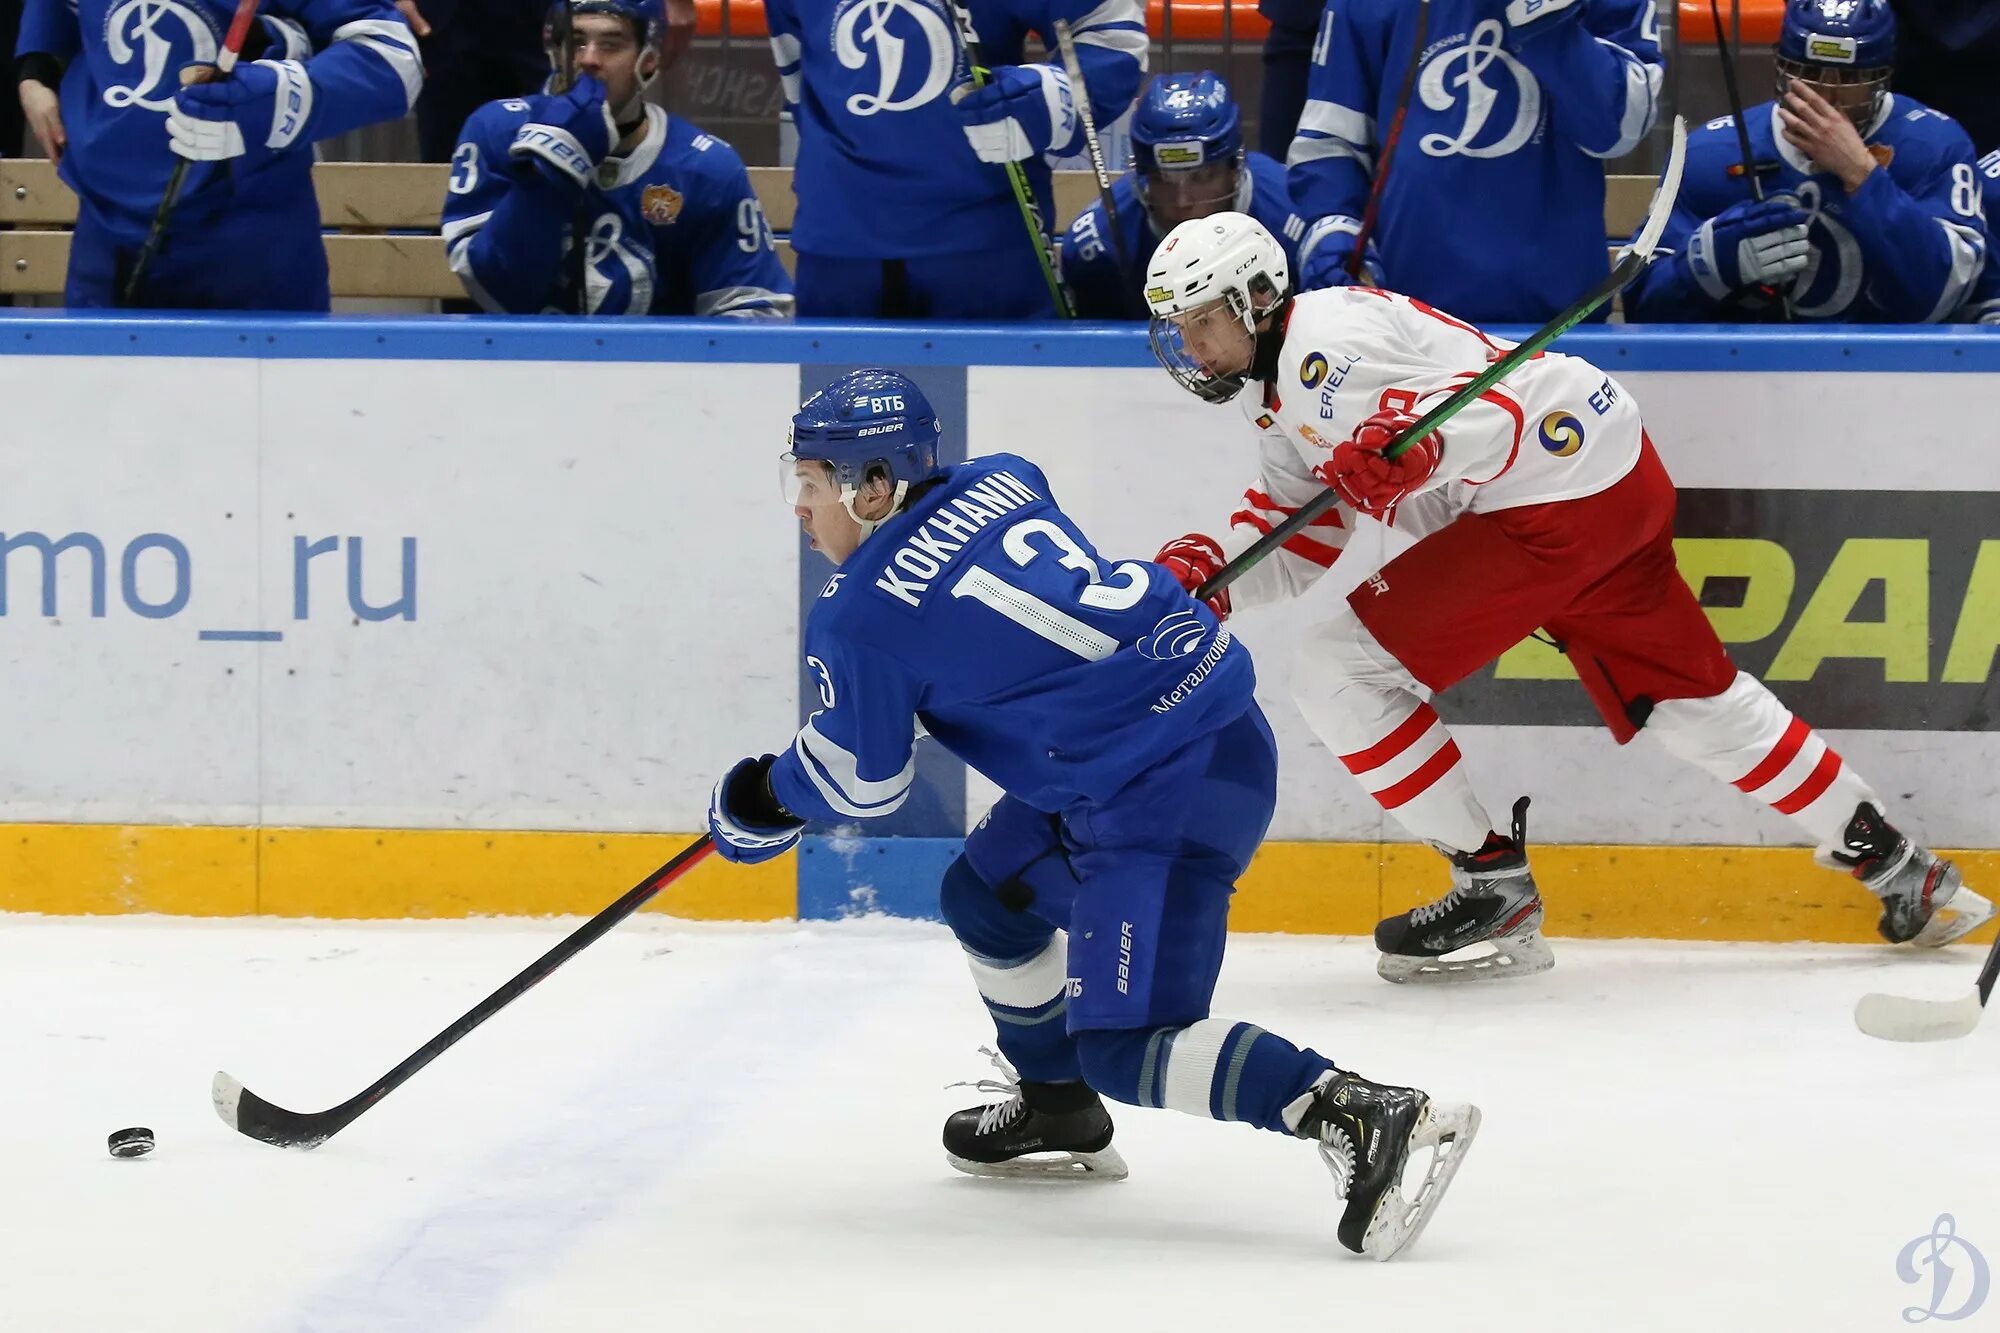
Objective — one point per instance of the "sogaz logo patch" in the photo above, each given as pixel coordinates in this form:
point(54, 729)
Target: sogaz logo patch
point(1561, 434)
point(1313, 370)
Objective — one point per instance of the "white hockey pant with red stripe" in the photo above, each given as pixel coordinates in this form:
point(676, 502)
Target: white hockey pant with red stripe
point(1374, 716)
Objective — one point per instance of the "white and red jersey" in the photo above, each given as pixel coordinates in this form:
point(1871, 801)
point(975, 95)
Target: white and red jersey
point(1557, 428)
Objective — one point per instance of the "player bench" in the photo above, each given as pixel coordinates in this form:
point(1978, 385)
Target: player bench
point(381, 221)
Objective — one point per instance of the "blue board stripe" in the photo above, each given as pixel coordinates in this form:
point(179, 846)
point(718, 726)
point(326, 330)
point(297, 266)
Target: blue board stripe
point(1690, 347)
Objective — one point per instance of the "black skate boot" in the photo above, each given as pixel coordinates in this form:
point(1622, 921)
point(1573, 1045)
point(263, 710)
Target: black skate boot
point(1367, 1133)
point(1493, 901)
point(1047, 1130)
point(1924, 901)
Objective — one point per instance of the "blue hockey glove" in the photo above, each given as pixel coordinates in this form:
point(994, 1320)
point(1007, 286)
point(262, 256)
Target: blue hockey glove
point(1328, 249)
point(1023, 111)
point(1532, 20)
point(1749, 244)
point(567, 134)
point(260, 109)
point(746, 821)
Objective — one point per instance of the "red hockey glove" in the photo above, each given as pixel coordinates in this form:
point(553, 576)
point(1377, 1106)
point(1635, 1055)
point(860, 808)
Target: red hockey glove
point(1193, 560)
point(1368, 481)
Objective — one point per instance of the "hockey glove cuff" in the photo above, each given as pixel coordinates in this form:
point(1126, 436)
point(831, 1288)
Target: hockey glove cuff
point(261, 108)
point(1749, 244)
point(567, 134)
point(1533, 20)
point(1022, 112)
point(1325, 252)
point(1368, 480)
point(1193, 560)
point(746, 820)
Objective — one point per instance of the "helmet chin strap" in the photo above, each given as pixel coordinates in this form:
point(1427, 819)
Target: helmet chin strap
point(868, 526)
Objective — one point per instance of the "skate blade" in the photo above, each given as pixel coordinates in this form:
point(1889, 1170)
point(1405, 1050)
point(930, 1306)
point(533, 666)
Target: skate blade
point(1957, 917)
point(1447, 1131)
point(1509, 956)
point(1104, 1165)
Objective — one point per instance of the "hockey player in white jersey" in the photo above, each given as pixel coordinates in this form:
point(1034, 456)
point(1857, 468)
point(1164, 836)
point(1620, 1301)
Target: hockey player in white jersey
point(1541, 505)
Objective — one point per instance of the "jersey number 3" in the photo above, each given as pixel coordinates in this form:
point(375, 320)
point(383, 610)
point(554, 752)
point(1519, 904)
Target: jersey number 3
point(1127, 587)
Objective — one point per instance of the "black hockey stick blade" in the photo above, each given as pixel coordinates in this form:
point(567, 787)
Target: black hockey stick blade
point(1631, 262)
point(1900, 1018)
point(267, 1122)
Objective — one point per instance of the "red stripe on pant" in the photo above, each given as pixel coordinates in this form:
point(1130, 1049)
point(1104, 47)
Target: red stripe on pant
point(1782, 753)
point(1815, 785)
point(1420, 781)
point(1402, 738)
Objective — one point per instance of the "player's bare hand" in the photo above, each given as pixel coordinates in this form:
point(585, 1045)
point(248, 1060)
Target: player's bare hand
point(1823, 133)
point(680, 32)
point(42, 109)
point(412, 16)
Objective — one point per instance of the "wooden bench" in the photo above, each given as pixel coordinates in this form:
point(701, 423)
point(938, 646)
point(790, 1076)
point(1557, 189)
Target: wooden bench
point(365, 204)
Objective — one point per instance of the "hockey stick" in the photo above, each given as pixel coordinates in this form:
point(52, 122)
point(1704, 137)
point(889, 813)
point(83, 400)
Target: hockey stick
point(576, 263)
point(1066, 44)
point(1017, 176)
point(232, 47)
point(1727, 54)
point(1390, 140)
point(1898, 1018)
point(247, 1113)
point(1630, 264)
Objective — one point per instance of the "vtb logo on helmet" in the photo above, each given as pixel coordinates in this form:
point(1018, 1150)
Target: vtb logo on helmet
point(1845, 49)
point(1212, 276)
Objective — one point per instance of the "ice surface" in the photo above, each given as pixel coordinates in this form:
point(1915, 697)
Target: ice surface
point(695, 1128)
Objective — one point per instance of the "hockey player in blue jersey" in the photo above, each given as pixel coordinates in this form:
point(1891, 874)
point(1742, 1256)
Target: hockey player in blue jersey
point(1982, 305)
point(1872, 209)
point(1115, 712)
point(904, 209)
point(245, 234)
point(664, 213)
point(1187, 162)
point(1513, 113)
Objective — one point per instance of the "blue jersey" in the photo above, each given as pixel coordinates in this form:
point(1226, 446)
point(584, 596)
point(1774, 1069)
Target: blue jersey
point(124, 59)
point(884, 170)
point(1494, 204)
point(1904, 248)
point(983, 615)
point(1090, 261)
point(677, 232)
point(1983, 304)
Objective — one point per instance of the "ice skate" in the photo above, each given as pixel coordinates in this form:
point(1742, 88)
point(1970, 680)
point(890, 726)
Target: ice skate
point(1493, 902)
point(1367, 1133)
point(1048, 1131)
point(1924, 900)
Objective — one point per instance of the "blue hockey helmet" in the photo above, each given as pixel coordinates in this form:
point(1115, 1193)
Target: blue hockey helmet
point(647, 17)
point(1846, 49)
point(868, 425)
point(1187, 148)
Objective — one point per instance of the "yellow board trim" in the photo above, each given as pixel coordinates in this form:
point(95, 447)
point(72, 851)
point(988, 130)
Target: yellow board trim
point(1343, 888)
point(90, 869)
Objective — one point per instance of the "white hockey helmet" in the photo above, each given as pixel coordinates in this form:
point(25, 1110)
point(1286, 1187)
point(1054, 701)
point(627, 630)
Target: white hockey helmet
point(1225, 257)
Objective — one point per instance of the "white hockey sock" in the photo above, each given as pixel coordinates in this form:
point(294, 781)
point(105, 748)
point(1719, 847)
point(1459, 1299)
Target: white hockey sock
point(1027, 991)
point(1365, 705)
point(1753, 742)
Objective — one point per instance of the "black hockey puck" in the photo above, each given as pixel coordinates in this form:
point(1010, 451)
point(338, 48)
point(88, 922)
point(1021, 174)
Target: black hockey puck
point(135, 1142)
